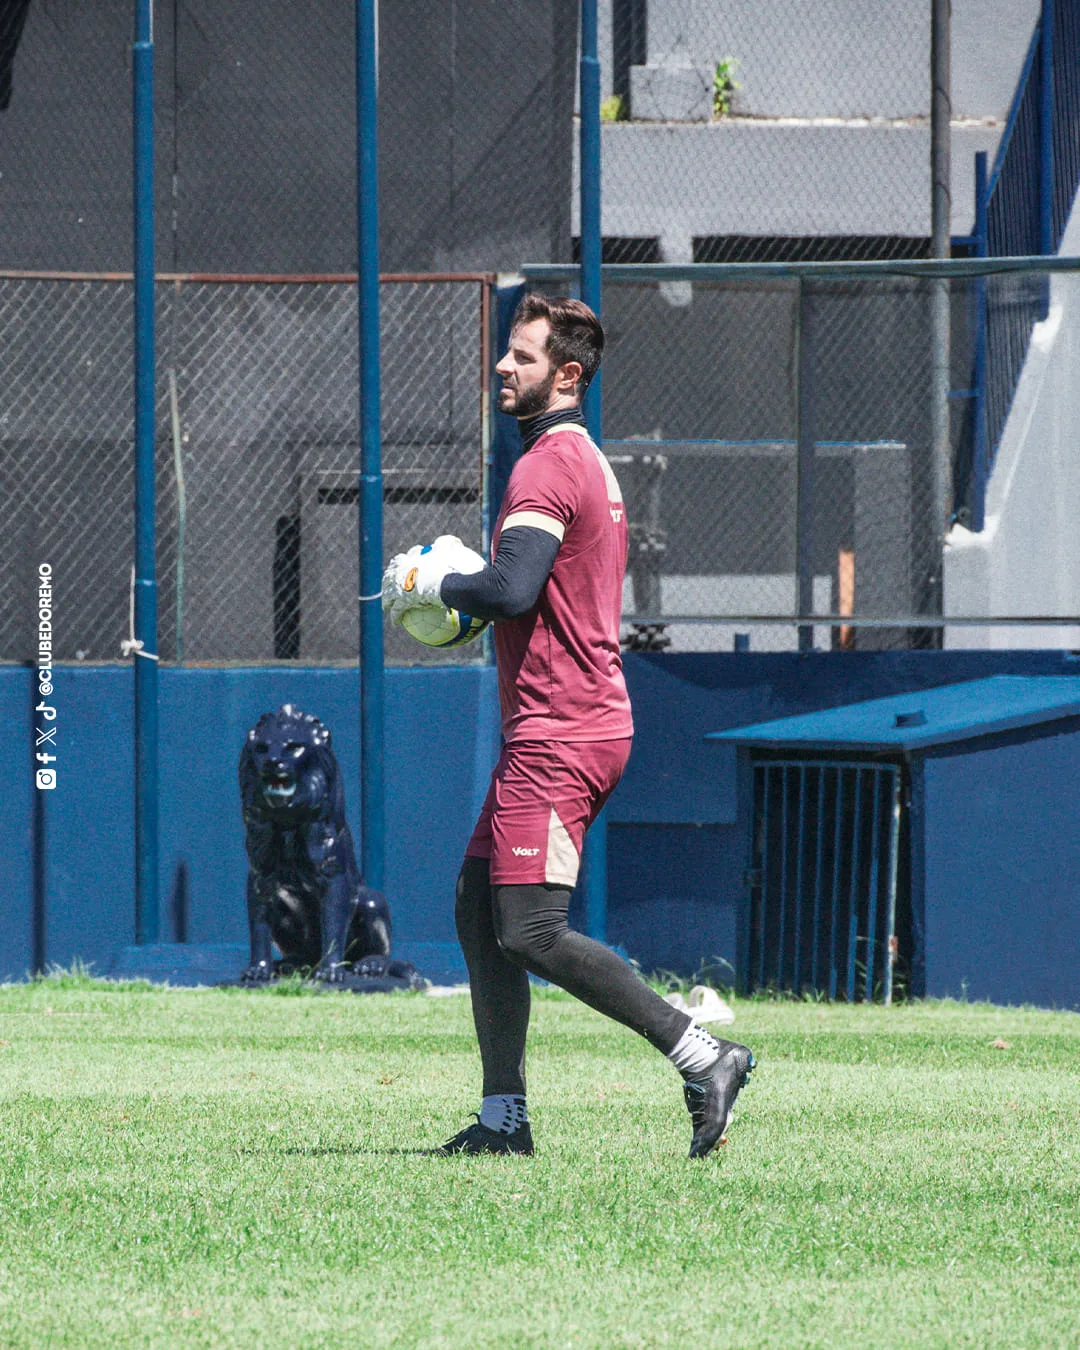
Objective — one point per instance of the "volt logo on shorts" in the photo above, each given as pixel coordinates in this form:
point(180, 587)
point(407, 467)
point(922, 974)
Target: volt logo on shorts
point(520, 852)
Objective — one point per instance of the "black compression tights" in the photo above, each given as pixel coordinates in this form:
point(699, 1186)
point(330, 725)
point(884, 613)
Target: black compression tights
point(506, 931)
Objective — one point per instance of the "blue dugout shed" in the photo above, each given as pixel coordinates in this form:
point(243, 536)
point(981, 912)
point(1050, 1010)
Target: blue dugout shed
point(929, 838)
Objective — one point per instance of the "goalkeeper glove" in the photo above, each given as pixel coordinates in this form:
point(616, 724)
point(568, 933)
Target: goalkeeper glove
point(414, 578)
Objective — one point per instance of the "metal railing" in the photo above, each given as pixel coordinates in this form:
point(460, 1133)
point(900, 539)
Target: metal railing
point(1021, 208)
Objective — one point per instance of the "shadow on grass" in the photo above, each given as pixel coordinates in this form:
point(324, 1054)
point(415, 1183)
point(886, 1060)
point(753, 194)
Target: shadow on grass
point(340, 1150)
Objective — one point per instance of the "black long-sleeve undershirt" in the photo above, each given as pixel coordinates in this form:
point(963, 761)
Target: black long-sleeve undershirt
point(511, 584)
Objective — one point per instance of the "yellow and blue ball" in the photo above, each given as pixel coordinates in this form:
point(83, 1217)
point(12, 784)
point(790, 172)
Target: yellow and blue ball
point(437, 626)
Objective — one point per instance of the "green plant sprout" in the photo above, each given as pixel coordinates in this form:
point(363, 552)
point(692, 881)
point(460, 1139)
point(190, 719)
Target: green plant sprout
point(614, 109)
point(725, 86)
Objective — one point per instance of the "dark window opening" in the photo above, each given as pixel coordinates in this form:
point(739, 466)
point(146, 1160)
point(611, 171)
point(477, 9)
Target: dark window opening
point(717, 248)
point(628, 42)
point(622, 249)
point(286, 589)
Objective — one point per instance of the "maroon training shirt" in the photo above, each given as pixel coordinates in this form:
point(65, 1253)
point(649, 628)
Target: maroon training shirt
point(560, 670)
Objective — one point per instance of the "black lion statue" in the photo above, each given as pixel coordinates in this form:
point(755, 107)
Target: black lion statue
point(304, 890)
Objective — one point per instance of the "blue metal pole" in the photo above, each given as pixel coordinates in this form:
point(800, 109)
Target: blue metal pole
point(980, 449)
point(505, 435)
point(805, 461)
point(372, 823)
point(146, 706)
point(594, 881)
point(589, 100)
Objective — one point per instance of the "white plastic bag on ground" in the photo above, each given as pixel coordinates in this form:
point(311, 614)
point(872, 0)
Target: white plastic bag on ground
point(703, 1005)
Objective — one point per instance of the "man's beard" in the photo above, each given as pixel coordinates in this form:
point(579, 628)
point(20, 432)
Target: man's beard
point(535, 400)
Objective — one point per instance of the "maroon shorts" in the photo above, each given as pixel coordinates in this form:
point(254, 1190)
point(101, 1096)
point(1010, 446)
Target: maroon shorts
point(543, 796)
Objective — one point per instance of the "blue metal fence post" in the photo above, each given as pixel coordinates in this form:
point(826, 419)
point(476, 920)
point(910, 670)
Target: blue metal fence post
point(591, 248)
point(594, 872)
point(145, 583)
point(980, 465)
point(805, 462)
point(371, 487)
point(1047, 242)
point(505, 436)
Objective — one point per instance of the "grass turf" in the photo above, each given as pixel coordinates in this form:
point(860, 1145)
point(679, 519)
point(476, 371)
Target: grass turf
point(232, 1168)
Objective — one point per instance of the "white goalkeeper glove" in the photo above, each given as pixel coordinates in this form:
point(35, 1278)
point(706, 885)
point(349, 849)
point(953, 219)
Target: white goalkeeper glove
point(414, 578)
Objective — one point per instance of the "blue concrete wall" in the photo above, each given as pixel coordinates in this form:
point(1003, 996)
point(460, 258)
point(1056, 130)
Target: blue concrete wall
point(442, 741)
point(15, 823)
point(675, 777)
point(1001, 868)
point(671, 903)
point(677, 848)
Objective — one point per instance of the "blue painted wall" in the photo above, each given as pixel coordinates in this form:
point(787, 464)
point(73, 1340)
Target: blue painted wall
point(671, 904)
point(677, 848)
point(1001, 869)
point(678, 845)
point(15, 823)
point(442, 741)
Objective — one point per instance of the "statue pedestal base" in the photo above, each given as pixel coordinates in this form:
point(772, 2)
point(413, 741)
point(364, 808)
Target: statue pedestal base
point(210, 963)
point(181, 963)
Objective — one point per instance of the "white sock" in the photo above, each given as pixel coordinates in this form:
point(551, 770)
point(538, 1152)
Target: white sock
point(505, 1112)
point(695, 1051)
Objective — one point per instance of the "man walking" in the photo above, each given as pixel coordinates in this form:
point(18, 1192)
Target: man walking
point(554, 587)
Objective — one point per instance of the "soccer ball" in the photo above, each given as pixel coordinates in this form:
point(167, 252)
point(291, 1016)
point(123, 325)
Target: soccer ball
point(437, 626)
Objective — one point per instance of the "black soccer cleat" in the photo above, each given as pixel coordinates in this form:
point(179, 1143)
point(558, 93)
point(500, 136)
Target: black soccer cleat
point(479, 1139)
point(711, 1095)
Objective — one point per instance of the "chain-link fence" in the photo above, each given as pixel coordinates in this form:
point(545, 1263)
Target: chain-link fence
point(732, 131)
point(711, 388)
point(773, 439)
point(741, 132)
point(255, 135)
point(728, 378)
point(255, 148)
point(257, 458)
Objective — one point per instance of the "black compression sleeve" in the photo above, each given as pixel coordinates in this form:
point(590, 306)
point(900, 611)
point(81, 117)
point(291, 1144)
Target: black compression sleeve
point(511, 584)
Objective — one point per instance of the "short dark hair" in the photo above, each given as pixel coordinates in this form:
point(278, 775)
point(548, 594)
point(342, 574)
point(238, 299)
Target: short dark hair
point(576, 333)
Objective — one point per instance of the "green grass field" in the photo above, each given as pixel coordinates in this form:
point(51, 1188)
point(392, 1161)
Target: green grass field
point(225, 1168)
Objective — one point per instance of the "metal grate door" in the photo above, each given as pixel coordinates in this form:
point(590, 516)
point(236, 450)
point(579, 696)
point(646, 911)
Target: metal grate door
point(823, 878)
